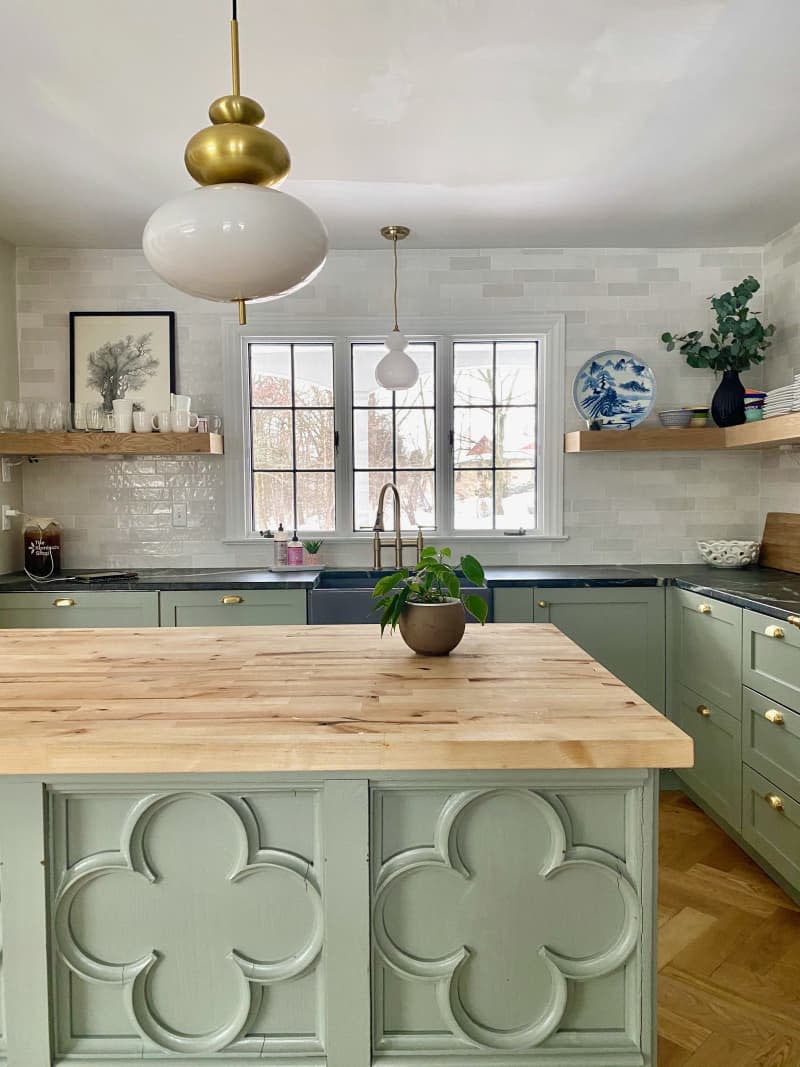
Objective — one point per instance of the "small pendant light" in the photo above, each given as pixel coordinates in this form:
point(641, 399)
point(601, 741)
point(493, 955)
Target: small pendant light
point(397, 370)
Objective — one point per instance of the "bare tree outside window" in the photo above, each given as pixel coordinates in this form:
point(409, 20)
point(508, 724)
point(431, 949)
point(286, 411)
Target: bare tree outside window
point(118, 366)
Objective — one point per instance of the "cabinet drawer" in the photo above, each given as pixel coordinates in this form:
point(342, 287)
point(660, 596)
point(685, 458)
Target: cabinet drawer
point(716, 776)
point(773, 831)
point(771, 658)
point(234, 607)
point(771, 740)
point(77, 609)
point(706, 648)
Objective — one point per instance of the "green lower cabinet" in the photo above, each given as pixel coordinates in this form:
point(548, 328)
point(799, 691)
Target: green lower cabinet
point(622, 628)
point(234, 607)
point(423, 919)
point(716, 776)
point(771, 657)
point(704, 638)
point(771, 825)
point(78, 609)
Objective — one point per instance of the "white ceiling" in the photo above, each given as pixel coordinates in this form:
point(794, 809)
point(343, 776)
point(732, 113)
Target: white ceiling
point(475, 122)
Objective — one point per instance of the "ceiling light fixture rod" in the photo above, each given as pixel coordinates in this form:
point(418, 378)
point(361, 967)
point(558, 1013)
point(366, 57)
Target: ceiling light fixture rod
point(395, 234)
point(235, 78)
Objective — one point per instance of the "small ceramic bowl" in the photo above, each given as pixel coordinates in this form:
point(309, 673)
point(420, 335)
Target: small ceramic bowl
point(675, 419)
point(729, 553)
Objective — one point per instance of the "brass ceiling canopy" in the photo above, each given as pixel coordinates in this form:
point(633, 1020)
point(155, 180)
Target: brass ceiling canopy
point(235, 148)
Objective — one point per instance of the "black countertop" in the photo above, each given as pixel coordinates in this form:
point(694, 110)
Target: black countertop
point(772, 592)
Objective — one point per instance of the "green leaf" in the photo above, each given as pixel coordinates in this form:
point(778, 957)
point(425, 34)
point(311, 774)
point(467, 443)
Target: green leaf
point(477, 606)
point(473, 570)
point(389, 582)
point(666, 338)
point(450, 580)
point(446, 552)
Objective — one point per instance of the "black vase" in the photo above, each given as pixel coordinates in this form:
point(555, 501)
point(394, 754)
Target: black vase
point(727, 404)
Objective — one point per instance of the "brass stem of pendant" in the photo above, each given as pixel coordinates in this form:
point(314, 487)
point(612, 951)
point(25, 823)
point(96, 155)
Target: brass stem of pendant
point(235, 57)
point(242, 312)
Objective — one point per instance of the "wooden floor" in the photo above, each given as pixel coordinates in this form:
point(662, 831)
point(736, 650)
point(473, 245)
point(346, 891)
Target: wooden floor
point(729, 951)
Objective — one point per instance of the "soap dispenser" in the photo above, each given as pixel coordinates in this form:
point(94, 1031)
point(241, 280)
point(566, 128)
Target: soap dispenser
point(281, 539)
point(295, 551)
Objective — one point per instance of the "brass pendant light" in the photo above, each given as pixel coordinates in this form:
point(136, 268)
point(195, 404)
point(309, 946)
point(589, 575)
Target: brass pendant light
point(236, 238)
point(397, 370)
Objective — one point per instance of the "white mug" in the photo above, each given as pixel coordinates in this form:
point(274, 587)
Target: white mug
point(181, 421)
point(123, 416)
point(160, 421)
point(178, 402)
point(143, 421)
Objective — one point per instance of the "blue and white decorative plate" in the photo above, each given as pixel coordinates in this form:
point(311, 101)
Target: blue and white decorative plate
point(615, 388)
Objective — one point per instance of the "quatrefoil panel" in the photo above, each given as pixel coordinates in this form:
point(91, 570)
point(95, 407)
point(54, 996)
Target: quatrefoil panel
point(500, 913)
point(187, 931)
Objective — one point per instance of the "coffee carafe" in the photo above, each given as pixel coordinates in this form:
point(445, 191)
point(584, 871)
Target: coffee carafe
point(42, 545)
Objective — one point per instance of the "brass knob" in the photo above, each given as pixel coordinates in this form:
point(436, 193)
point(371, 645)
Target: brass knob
point(64, 602)
point(775, 631)
point(232, 600)
point(772, 715)
point(542, 603)
point(704, 609)
point(774, 801)
point(793, 620)
point(703, 710)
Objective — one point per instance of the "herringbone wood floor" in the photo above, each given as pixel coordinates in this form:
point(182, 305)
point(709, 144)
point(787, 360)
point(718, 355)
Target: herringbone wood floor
point(728, 951)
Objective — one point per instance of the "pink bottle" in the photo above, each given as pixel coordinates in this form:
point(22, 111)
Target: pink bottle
point(294, 552)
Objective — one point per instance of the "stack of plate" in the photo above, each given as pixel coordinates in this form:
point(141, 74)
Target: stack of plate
point(784, 400)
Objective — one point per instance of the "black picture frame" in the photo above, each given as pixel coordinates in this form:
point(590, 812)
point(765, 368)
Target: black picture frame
point(156, 383)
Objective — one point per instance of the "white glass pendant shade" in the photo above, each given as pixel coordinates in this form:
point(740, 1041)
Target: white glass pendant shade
point(397, 370)
point(235, 242)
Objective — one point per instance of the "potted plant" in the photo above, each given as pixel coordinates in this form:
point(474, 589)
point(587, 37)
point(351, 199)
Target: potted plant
point(736, 343)
point(312, 552)
point(427, 604)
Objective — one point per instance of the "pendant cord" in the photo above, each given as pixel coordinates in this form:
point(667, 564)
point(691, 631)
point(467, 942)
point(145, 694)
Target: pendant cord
point(235, 81)
point(394, 248)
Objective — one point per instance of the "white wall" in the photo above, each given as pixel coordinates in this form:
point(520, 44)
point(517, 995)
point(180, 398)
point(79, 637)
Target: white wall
point(11, 493)
point(619, 508)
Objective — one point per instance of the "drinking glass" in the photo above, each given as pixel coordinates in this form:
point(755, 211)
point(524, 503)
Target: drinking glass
point(78, 412)
point(215, 424)
point(8, 416)
point(57, 418)
point(94, 417)
point(23, 416)
point(39, 416)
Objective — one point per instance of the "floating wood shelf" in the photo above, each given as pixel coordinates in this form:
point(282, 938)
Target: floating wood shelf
point(767, 433)
point(110, 444)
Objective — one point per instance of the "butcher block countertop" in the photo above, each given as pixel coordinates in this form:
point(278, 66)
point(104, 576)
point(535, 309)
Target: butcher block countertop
point(316, 698)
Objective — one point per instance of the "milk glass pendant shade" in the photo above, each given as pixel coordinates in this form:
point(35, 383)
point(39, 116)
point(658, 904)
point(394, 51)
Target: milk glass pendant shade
point(236, 238)
point(235, 242)
point(397, 370)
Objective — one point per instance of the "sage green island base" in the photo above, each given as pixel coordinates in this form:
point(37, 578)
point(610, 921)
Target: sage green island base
point(456, 918)
point(306, 846)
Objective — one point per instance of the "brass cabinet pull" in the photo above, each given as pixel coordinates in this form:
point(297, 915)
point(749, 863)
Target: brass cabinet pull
point(703, 710)
point(542, 603)
point(793, 620)
point(774, 801)
point(64, 602)
point(704, 609)
point(774, 716)
point(232, 600)
point(775, 631)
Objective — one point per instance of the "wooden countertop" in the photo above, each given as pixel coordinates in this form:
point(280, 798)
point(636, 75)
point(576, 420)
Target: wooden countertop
point(316, 698)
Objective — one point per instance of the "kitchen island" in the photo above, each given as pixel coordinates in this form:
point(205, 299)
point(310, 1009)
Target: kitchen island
point(308, 846)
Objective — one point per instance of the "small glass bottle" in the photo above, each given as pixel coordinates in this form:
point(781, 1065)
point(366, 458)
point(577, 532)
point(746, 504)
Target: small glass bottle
point(294, 551)
point(281, 546)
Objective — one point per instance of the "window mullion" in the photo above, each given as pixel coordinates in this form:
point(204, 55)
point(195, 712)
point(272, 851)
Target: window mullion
point(445, 424)
point(344, 458)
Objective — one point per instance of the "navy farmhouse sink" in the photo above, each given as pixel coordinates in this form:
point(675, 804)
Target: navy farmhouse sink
point(345, 597)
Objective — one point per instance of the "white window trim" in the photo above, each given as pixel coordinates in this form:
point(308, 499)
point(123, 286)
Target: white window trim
point(547, 329)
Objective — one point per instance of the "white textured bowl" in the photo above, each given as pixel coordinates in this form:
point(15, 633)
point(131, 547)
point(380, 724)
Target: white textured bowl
point(729, 553)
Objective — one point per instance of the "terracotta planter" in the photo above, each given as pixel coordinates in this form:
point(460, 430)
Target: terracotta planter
point(433, 629)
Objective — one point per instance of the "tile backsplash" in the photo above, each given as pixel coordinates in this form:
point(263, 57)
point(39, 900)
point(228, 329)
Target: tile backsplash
point(618, 508)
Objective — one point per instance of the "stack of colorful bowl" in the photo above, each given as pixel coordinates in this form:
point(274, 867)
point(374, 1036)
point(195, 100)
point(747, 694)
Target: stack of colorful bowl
point(753, 404)
point(699, 417)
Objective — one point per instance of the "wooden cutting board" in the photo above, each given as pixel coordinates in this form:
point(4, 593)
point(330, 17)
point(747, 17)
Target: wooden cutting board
point(780, 545)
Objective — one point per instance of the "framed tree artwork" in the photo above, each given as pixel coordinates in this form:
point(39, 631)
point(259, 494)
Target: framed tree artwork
point(122, 354)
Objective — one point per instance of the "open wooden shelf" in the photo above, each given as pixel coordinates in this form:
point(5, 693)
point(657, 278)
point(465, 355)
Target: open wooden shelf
point(767, 433)
point(110, 444)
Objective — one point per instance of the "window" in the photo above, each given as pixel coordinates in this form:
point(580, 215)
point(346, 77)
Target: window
point(475, 447)
point(494, 434)
point(394, 438)
point(292, 436)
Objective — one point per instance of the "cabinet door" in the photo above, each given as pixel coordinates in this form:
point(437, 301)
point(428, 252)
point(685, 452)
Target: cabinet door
point(771, 824)
point(513, 604)
point(234, 607)
point(705, 649)
point(771, 658)
point(77, 609)
point(771, 741)
point(716, 776)
point(622, 628)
